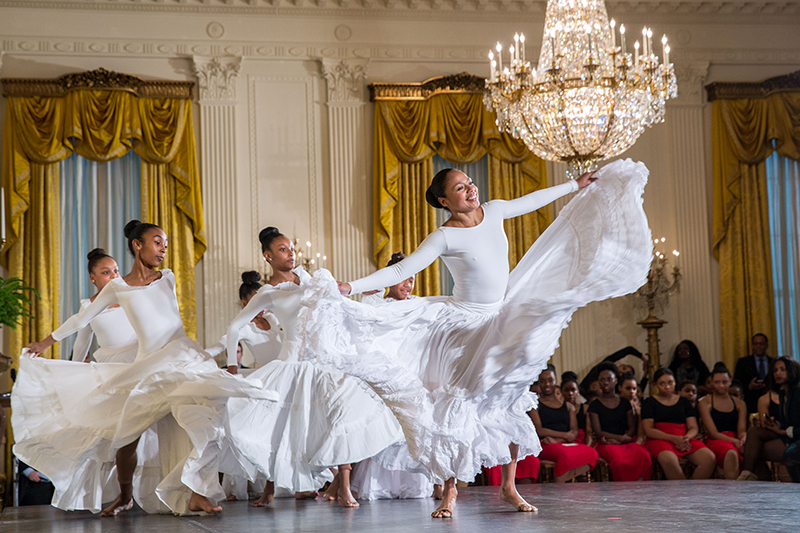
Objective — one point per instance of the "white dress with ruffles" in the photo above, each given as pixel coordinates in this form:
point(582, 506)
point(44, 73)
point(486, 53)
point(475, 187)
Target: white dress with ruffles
point(116, 339)
point(456, 370)
point(70, 418)
point(322, 419)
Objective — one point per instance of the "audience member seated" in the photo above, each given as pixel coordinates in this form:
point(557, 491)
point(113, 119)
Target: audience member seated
point(571, 395)
point(725, 419)
point(557, 428)
point(751, 371)
point(34, 487)
point(688, 390)
point(768, 441)
point(687, 365)
point(614, 427)
point(670, 424)
point(736, 390)
point(629, 389)
point(586, 383)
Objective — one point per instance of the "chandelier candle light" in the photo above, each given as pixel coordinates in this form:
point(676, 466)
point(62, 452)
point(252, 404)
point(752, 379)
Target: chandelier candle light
point(307, 259)
point(588, 99)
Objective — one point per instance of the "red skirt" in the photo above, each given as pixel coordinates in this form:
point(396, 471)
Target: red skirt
point(721, 447)
point(581, 438)
point(628, 462)
point(526, 468)
point(656, 446)
point(568, 456)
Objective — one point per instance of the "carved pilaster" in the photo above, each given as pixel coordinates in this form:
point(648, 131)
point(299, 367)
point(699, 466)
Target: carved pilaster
point(351, 186)
point(691, 78)
point(216, 78)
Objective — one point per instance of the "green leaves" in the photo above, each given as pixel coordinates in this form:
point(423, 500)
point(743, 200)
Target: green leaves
point(14, 304)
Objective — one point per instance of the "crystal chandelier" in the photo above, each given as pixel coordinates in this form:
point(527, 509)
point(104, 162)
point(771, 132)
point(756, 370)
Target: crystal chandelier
point(588, 99)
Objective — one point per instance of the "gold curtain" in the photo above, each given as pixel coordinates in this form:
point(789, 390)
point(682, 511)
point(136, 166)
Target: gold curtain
point(99, 125)
point(458, 128)
point(745, 132)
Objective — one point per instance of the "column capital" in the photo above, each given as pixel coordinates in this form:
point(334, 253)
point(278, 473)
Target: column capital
point(215, 78)
point(345, 79)
point(691, 79)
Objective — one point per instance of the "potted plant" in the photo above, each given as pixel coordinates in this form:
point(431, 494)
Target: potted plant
point(14, 305)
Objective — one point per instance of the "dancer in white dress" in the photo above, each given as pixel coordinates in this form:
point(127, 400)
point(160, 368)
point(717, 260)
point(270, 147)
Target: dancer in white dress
point(392, 473)
point(74, 422)
point(116, 338)
point(323, 419)
point(456, 371)
point(262, 335)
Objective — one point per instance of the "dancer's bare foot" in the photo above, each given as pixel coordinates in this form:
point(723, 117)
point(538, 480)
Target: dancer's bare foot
point(437, 492)
point(307, 495)
point(510, 495)
point(267, 497)
point(345, 497)
point(231, 498)
point(120, 505)
point(449, 495)
point(333, 489)
point(201, 503)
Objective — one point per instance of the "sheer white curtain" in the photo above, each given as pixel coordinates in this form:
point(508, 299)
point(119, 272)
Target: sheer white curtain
point(783, 191)
point(479, 172)
point(97, 200)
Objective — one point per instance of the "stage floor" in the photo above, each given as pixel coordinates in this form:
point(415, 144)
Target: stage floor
point(707, 506)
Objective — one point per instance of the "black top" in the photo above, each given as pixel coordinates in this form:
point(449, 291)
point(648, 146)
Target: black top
point(774, 410)
point(725, 420)
point(673, 414)
point(614, 421)
point(580, 415)
point(554, 419)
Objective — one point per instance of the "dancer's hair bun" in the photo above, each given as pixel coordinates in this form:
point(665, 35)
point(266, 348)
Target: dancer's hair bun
point(396, 258)
point(130, 228)
point(250, 277)
point(267, 235)
point(94, 257)
point(436, 189)
point(135, 230)
point(251, 282)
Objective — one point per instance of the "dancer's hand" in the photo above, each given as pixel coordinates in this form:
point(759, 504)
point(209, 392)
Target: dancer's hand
point(586, 179)
point(344, 288)
point(370, 293)
point(233, 369)
point(35, 348)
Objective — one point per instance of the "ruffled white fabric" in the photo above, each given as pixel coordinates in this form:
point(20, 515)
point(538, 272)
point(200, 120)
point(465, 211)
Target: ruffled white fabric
point(322, 419)
point(391, 474)
point(456, 374)
point(69, 419)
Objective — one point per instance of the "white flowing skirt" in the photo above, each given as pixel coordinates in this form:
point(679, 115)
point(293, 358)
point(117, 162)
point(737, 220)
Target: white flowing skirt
point(70, 418)
point(391, 474)
point(322, 419)
point(457, 374)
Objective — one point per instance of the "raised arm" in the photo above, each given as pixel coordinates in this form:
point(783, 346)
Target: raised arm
point(77, 321)
point(426, 253)
point(262, 300)
point(536, 200)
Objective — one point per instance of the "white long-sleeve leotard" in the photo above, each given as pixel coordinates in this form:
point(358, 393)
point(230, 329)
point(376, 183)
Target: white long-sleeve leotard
point(264, 345)
point(115, 337)
point(477, 257)
point(283, 300)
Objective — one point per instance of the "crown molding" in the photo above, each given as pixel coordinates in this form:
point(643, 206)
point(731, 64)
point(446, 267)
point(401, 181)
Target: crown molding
point(96, 79)
point(463, 83)
point(476, 9)
point(743, 90)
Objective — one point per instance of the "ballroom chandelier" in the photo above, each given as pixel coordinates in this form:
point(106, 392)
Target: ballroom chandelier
point(588, 99)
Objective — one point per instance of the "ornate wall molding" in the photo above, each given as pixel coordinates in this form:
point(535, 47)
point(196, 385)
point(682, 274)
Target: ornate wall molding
point(736, 91)
point(456, 83)
point(345, 79)
point(691, 77)
point(97, 79)
point(216, 77)
point(505, 9)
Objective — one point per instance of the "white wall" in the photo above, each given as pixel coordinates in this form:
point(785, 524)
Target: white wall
point(290, 162)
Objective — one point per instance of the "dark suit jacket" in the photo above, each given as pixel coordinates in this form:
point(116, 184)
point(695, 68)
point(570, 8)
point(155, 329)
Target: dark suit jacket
point(745, 372)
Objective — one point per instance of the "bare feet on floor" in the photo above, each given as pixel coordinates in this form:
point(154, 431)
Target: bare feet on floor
point(231, 498)
point(437, 492)
point(307, 495)
point(120, 505)
point(201, 503)
point(346, 498)
point(445, 509)
point(333, 489)
point(511, 496)
point(264, 500)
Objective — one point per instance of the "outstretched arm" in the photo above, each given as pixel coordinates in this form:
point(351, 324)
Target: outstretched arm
point(77, 321)
point(426, 253)
point(83, 341)
point(262, 300)
point(538, 199)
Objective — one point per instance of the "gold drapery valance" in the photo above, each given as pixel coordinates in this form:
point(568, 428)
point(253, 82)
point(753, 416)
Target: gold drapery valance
point(411, 125)
point(745, 132)
point(100, 124)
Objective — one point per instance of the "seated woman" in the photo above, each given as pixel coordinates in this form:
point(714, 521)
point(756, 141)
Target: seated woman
point(688, 390)
point(725, 419)
point(570, 393)
point(614, 427)
point(557, 428)
point(670, 424)
point(768, 442)
point(687, 365)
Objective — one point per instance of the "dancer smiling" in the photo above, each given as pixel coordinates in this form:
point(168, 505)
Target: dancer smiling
point(456, 371)
point(73, 421)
